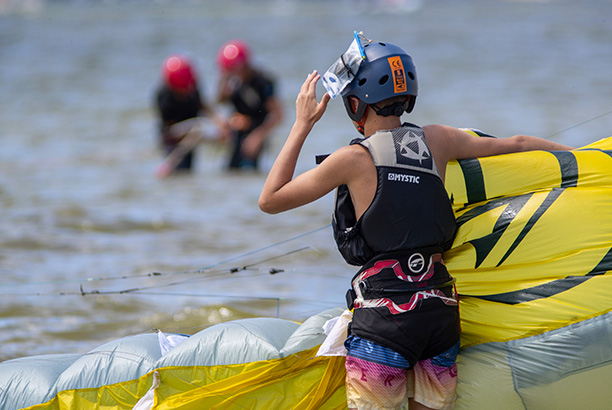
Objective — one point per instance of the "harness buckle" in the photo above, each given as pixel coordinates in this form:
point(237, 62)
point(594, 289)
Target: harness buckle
point(350, 298)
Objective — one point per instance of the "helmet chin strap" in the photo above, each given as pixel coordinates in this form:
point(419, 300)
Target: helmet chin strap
point(395, 109)
point(361, 122)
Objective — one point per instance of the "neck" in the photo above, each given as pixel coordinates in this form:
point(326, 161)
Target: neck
point(245, 73)
point(377, 123)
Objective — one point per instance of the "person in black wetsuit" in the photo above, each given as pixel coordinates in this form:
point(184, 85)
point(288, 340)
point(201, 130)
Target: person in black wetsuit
point(178, 99)
point(253, 97)
point(393, 218)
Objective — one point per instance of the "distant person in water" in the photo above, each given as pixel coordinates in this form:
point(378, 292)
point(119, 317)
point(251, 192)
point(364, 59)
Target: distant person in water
point(178, 99)
point(252, 94)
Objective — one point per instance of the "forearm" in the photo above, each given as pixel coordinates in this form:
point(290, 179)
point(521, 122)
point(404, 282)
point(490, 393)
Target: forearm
point(224, 90)
point(529, 143)
point(283, 169)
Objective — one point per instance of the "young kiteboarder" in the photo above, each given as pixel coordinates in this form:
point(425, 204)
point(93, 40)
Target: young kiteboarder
point(393, 218)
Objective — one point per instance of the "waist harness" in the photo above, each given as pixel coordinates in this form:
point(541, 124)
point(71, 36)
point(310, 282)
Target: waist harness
point(398, 281)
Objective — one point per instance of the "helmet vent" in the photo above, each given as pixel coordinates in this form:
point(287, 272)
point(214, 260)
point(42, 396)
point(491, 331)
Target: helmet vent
point(362, 82)
point(411, 75)
point(383, 80)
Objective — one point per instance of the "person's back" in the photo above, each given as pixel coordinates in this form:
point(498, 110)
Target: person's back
point(175, 108)
point(410, 208)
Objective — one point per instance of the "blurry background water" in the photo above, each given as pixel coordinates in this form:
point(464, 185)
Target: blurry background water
point(82, 213)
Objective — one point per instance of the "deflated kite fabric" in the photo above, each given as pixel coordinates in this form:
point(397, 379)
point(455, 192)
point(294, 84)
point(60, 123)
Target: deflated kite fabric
point(533, 263)
point(260, 363)
point(532, 259)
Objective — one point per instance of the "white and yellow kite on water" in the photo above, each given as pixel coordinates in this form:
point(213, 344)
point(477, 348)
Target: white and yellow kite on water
point(532, 259)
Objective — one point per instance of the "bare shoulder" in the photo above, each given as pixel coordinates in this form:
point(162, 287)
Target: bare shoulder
point(434, 129)
point(348, 164)
point(439, 132)
point(350, 156)
point(451, 143)
point(440, 140)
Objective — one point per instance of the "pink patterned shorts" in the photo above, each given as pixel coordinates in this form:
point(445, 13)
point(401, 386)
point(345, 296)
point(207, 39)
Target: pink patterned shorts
point(382, 382)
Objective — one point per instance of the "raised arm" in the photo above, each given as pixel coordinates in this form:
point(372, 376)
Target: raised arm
point(281, 191)
point(449, 143)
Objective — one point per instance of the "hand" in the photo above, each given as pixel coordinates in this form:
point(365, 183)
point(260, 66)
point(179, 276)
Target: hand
point(225, 131)
point(308, 110)
point(240, 122)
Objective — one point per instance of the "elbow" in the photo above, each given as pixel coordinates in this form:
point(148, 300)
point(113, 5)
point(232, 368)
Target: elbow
point(521, 143)
point(266, 206)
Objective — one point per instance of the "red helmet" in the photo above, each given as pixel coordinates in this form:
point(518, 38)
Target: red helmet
point(232, 55)
point(178, 74)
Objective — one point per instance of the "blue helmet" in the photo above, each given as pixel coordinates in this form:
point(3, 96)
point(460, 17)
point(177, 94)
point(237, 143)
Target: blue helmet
point(386, 72)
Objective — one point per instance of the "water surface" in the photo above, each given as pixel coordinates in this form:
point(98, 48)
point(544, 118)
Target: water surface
point(93, 247)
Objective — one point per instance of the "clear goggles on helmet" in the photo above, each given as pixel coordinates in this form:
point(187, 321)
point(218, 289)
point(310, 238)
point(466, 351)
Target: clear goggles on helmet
point(344, 70)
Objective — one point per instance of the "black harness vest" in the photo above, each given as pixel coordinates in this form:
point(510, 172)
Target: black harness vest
point(403, 296)
point(410, 209)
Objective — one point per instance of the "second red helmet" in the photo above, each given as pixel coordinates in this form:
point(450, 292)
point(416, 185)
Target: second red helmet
point(232, 55)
